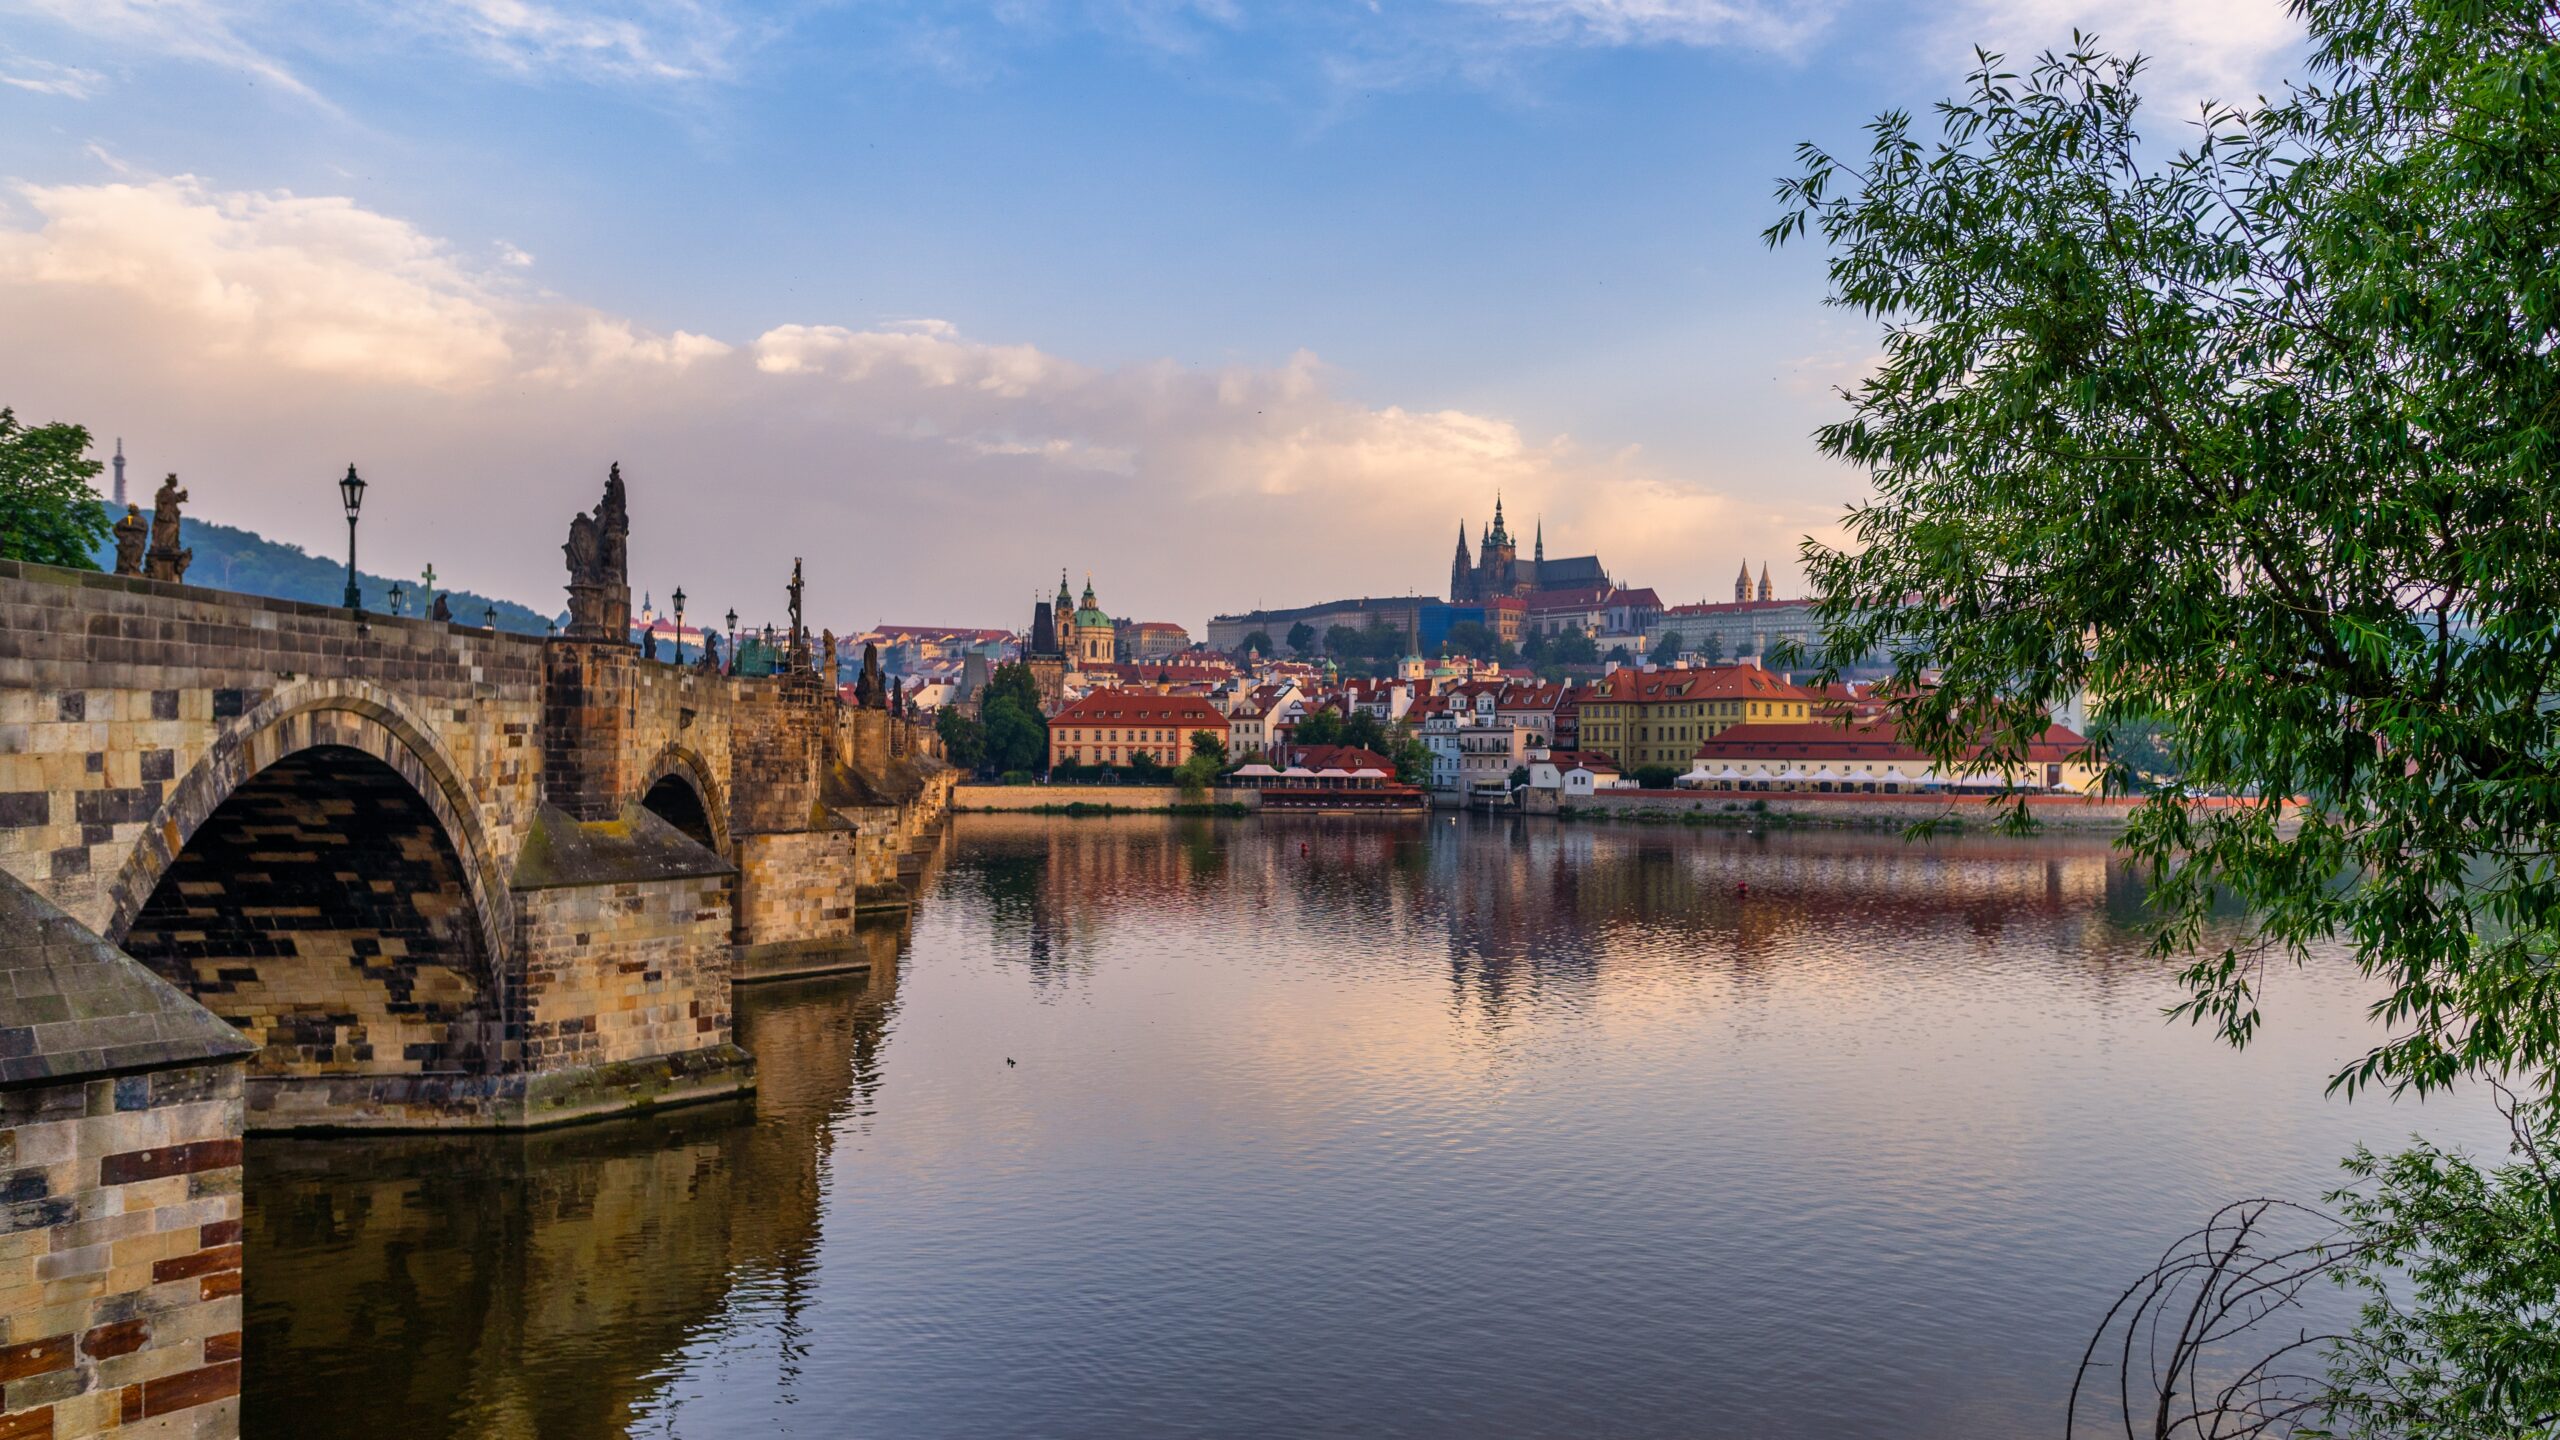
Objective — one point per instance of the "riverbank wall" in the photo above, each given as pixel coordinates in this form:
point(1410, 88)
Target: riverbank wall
point(1881, 812)
point(1053, 799)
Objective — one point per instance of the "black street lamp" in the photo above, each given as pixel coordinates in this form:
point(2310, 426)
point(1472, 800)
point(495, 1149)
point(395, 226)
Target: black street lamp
point(679, 599)
point(351, 490)
point(733, 639)
point(398, 593)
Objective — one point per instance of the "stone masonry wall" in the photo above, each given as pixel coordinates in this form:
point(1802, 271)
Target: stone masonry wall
point(120, 1255)
point(781, 739)
point(624, 972)
point(114, 692)
point(804, 888)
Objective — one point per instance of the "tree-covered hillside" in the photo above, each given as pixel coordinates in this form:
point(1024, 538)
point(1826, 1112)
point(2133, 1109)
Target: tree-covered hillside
point(229, 558)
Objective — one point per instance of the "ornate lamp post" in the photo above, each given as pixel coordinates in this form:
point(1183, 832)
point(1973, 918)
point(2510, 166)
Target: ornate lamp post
point(351, 491)
point(396, 595)
point(733, 638)
point(679, 599)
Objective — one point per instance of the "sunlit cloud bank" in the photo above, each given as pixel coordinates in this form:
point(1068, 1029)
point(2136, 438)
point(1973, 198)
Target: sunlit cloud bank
point(257, 341)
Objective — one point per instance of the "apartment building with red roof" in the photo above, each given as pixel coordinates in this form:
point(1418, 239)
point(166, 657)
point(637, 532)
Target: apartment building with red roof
point(1114, 727)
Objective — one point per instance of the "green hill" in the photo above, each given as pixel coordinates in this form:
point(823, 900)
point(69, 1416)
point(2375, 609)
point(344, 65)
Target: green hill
point(230, 558)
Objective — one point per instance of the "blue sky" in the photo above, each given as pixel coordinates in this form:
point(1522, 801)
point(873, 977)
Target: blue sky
point(1226, 303)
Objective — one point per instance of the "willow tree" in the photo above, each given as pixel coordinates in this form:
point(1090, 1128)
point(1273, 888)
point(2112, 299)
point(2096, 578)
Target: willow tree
point(2250, 430)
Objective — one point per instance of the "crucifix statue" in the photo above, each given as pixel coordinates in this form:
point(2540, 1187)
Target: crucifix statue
point(796, 640)
point(427, 590)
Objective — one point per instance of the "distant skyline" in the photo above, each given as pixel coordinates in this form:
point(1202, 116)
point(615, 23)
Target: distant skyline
point(1228, 305)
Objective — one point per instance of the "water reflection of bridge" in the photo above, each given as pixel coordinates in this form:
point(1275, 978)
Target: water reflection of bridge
point(543, 1284)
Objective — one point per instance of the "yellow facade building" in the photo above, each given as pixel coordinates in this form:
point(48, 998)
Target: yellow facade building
point(1641, 717)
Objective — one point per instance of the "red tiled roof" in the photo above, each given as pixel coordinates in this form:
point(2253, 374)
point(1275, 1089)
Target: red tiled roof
point(1139, 707)
point(1343, 757)
point(1591, 760)
point(942, 631)
point(1705, 682)
point(1867, 740)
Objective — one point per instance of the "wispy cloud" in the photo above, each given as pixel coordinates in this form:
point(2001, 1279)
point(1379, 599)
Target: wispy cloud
point(205, 31)
point(2230, 51)
point(649, 42)
point(1778, 25)
point(261, 331)
point(43, 77)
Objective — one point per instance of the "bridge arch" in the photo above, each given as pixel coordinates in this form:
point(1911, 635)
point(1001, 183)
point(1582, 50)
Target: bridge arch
point(679, 789)
point(298, 716)
point(321, 878)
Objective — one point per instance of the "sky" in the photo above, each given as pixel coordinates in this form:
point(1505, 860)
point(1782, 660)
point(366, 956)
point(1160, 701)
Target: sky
point(1224, 304)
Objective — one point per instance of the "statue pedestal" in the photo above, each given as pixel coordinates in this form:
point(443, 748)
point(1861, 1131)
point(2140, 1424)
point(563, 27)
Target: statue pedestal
point(600, 612)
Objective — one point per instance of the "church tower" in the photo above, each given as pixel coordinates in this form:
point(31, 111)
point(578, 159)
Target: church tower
point(1462, 580)
point(1765, 592)
point(1742, 584)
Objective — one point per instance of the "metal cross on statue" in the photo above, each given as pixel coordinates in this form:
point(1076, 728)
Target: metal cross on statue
point(427, 597)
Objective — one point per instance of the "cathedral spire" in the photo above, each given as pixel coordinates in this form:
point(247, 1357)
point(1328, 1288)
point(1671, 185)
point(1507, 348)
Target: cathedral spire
point(1765, 592)
point(1540, 554)
point(1742, 584)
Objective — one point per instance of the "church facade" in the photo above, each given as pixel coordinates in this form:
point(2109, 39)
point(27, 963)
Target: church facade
point(1496, 571)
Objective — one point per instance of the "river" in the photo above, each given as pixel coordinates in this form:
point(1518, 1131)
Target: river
point(1174, 1127)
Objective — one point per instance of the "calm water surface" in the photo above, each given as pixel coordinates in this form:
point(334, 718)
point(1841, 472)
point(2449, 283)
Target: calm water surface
point(1347, 1128)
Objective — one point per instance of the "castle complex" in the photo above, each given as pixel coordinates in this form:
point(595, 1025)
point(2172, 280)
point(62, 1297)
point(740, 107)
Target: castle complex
point(1496, 572)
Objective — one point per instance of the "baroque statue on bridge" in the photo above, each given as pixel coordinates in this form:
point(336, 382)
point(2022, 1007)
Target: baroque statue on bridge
point(132, 534)
point(598, 553)
point(167, 560)
point(868, 691)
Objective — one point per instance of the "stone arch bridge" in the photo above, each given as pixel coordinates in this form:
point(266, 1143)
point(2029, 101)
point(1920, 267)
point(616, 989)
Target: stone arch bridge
point(436, 875)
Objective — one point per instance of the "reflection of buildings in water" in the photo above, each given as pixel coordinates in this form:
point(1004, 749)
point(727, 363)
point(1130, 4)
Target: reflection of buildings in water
point(1530, 908)
point(540, 1284)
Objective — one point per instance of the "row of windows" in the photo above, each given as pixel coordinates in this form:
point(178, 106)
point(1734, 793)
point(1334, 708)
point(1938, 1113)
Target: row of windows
point(1076, 735)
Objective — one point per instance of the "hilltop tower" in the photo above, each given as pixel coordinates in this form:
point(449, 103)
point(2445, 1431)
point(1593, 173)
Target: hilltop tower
point(120, 500)
point(1765, 592)
point(1461, 570)
point(1742, 584)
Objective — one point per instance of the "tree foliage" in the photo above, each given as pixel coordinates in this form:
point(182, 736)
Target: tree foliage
point(1017, 734)
point(964, 740)
point(1302, 638)
point(2257, 441)
point(2244, 441)
point(48, 510)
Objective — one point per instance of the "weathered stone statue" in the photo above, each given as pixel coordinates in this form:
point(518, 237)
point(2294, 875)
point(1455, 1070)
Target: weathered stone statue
point(598, 552)
point(826, 663)
point(710, 652)
point(132, 533)
point(167, 561)
point(441, 610)
point(649, 643)
point(797, 655)
point(869, 691)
